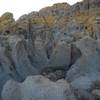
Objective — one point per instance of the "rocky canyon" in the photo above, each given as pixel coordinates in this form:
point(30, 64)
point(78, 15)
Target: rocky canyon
point(53, 54)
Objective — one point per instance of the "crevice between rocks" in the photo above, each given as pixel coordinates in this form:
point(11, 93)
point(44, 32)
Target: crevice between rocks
point(54, 74)
point(75, 54)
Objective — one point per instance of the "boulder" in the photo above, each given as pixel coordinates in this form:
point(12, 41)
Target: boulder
point(86, 69)
point(20, 57)
point(7, 68)
point(37, 88)
point(60, 57)
point(83, 95)
point(96, 93)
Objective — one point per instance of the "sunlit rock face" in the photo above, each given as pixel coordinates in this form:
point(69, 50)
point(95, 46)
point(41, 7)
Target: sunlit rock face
point(6, 21)
point(57, 9)
point(58, 42)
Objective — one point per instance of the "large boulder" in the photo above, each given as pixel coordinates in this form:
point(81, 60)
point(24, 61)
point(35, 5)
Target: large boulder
point(96, 93)
point(60, 57)
point(5, 68)
point(37, 88)
point(20, 56)
point(83, 95)
point(85, 70)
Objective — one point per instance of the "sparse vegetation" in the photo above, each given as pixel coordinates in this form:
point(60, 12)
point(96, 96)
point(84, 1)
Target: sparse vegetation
point(97, 84)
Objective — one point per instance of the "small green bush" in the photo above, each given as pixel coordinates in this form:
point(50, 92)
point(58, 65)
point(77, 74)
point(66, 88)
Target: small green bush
point(97, 84)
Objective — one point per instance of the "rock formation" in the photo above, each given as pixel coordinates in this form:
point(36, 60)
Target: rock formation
point(58, 42)
point(37, 88)
point(85, 70)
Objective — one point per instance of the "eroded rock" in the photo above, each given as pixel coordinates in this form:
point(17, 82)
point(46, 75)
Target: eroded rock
point(60, 57)
point(37, 87)
point(86, 69)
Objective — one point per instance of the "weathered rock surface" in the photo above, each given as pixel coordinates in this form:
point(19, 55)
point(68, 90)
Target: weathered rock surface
point(20, 57)
point(57, 9)
point(6, 21)
point(5, 66)
point(61, 41)
point(83, 95)
point(86, 68)
point(37, 88)
point(61, 59)
point(96, 93)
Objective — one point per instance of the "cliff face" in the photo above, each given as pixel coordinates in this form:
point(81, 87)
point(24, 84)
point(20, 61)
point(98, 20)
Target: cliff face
point(57, 18)
point(6, 21)
point(60, 41)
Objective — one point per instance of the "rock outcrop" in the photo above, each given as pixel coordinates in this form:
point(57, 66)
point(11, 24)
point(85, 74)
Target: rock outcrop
point(6, 21)
point(37, 88)
point(96, 93)
point(58, 42)
point(85, 71)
